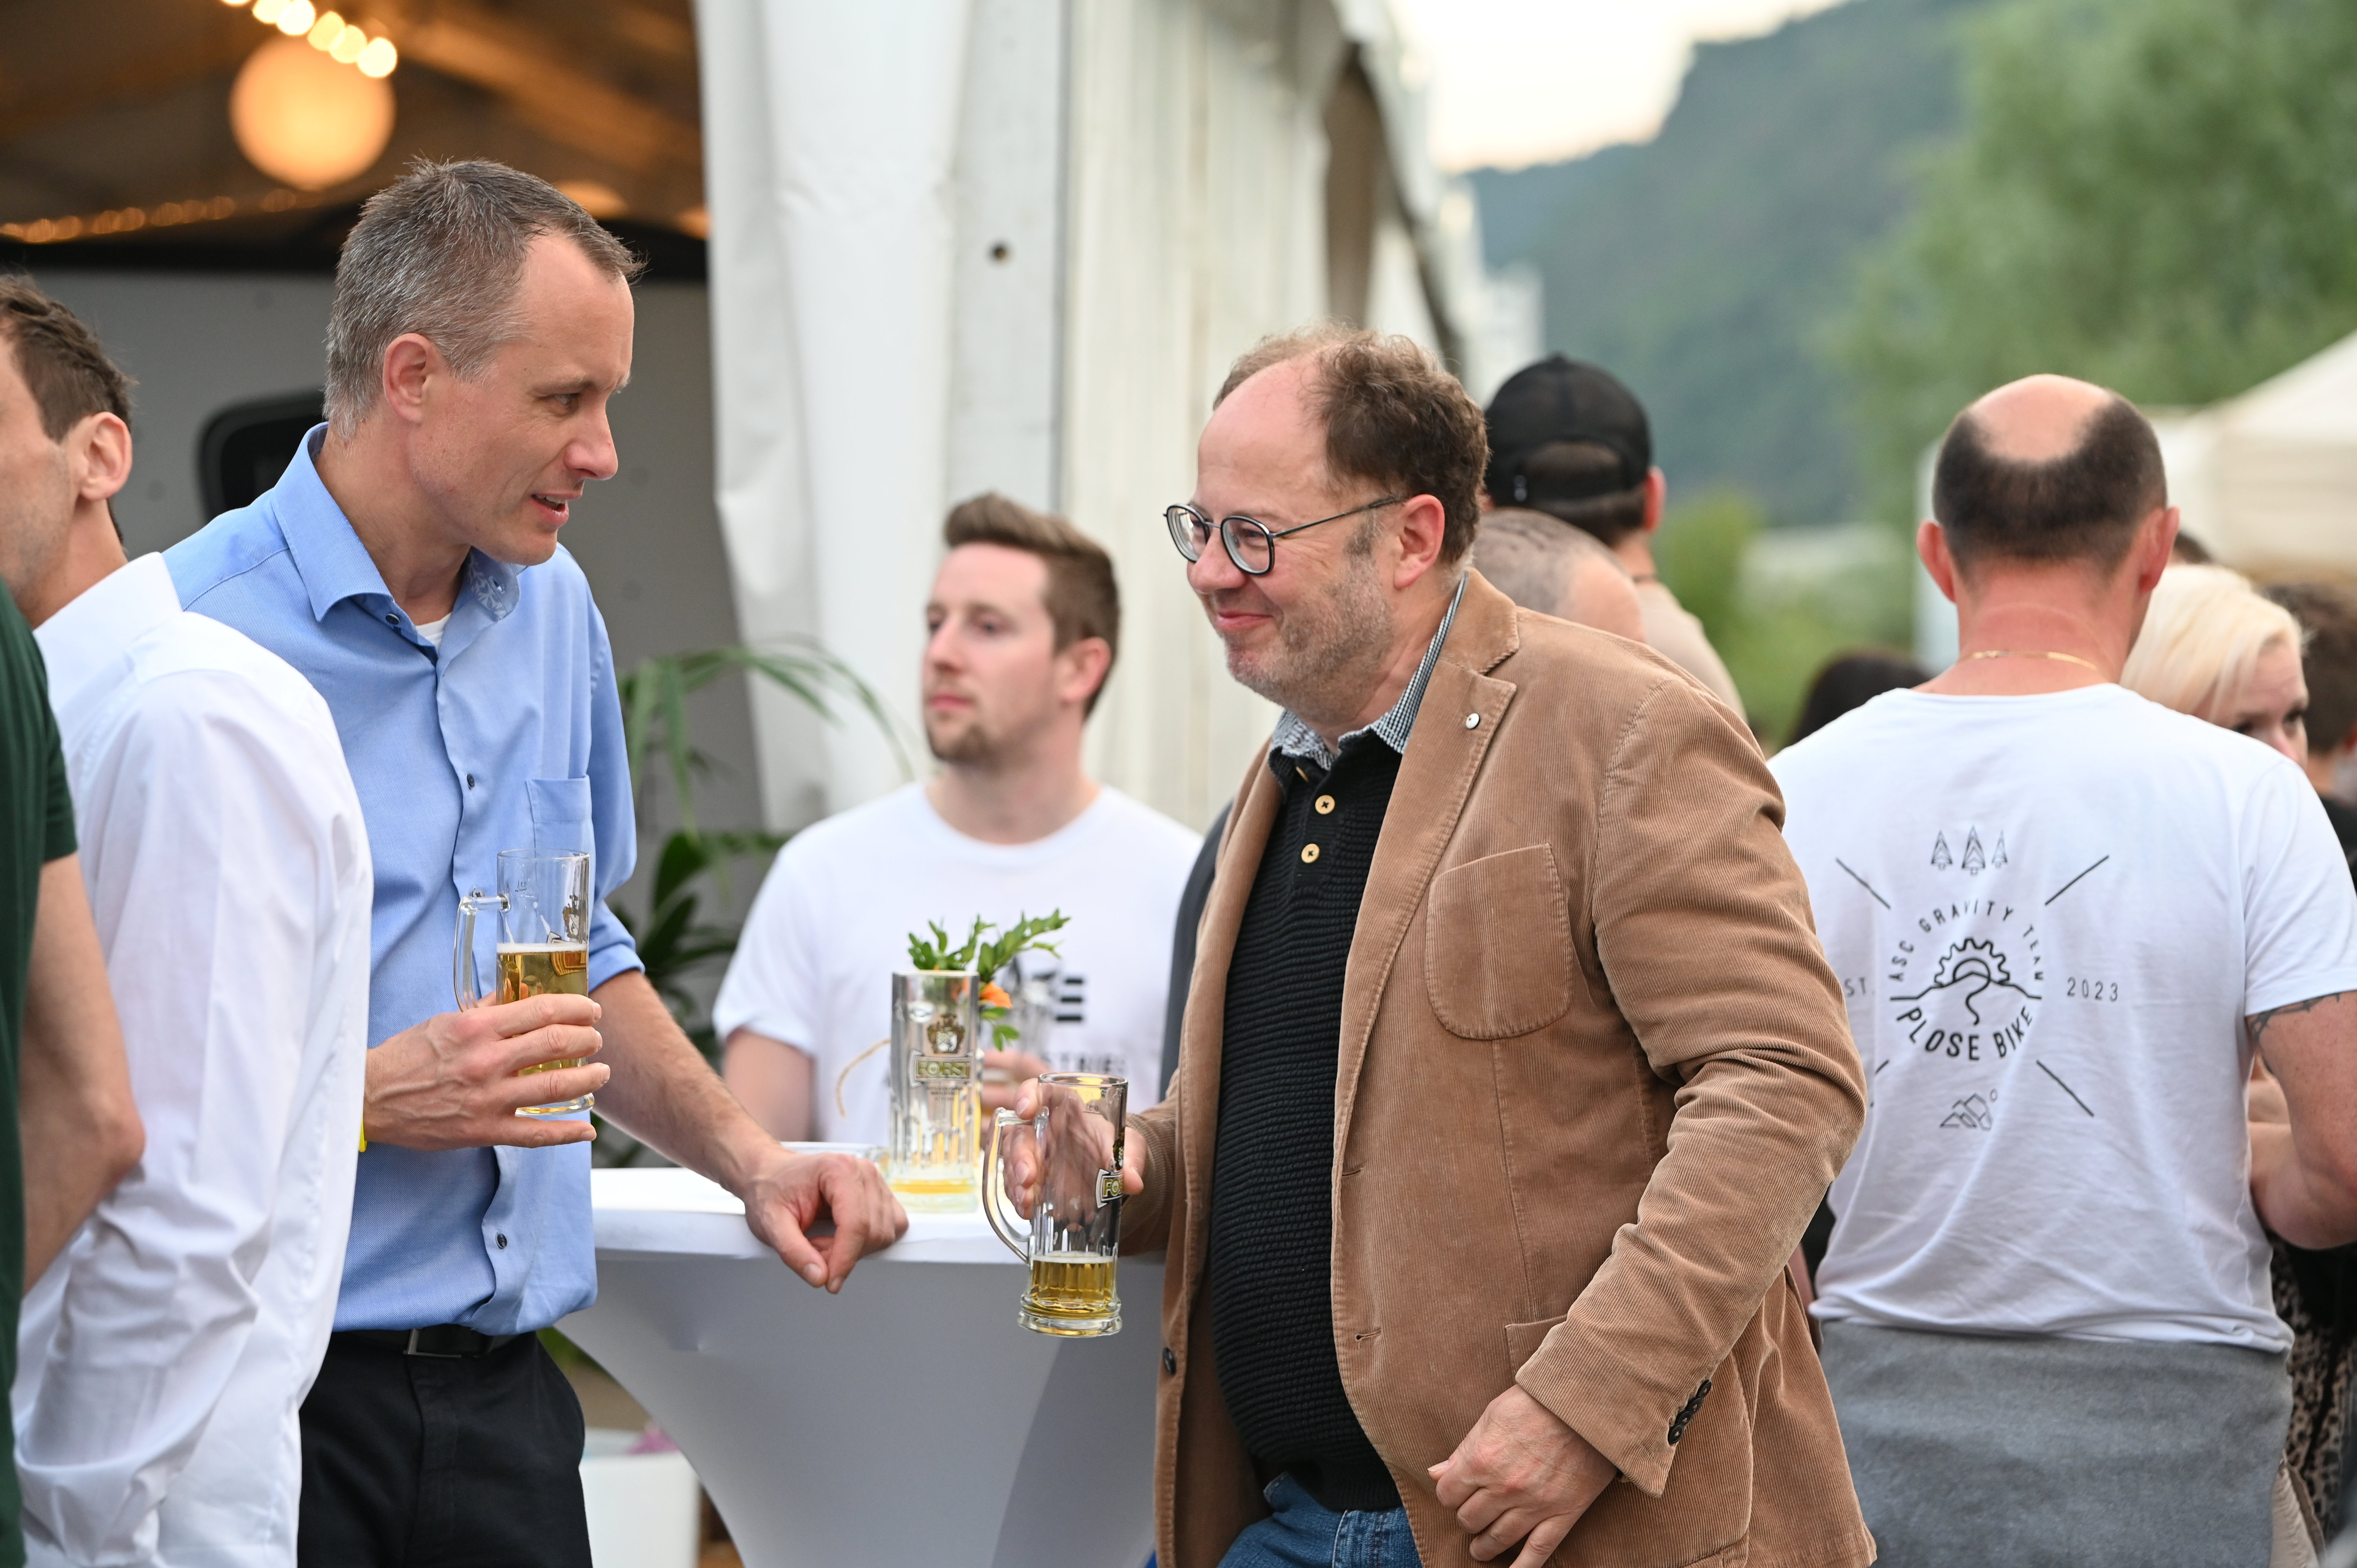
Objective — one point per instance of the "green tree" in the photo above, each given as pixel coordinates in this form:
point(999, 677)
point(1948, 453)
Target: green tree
point(1775, 628)
point(2157, 195)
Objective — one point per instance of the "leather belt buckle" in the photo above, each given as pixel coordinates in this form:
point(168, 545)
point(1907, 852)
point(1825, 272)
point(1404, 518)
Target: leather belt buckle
point(448, 1342)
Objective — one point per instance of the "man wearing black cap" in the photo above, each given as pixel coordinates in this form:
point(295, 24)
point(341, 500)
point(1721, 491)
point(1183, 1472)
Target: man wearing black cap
point(1568, 439)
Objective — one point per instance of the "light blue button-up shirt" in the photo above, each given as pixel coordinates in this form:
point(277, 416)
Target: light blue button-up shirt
point(508, 736)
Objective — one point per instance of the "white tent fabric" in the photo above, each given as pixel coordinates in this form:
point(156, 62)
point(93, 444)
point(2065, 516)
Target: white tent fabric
point(829, 140)
point(960, 244)
point(2267, 481)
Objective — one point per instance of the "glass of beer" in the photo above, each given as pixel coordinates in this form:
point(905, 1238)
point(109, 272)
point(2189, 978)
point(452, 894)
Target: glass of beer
point(542, 906)
point(1074, 1149)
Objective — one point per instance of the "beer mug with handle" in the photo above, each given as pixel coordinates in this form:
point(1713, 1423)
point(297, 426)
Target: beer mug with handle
point(1075, 1146)
point(543, 942)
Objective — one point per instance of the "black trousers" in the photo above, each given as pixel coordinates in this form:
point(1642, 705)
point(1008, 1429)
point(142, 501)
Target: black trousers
point(423, 1461)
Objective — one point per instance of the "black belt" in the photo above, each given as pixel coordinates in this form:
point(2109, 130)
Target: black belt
point(448, 1341)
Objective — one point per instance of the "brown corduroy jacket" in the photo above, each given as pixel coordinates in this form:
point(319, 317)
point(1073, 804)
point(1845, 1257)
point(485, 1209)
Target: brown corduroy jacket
point(1594, 1076)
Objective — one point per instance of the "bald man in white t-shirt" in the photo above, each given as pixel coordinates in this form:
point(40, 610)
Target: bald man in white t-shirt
point(2065, 918)
point(1022, 622)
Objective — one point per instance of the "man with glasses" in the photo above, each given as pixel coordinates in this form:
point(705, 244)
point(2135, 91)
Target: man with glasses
point(1511, 1073)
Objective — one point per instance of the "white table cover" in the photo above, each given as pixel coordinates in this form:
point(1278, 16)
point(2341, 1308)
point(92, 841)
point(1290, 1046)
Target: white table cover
point(907, 1421)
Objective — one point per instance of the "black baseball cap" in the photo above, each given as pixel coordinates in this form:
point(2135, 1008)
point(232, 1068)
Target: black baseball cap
point(1559, 400)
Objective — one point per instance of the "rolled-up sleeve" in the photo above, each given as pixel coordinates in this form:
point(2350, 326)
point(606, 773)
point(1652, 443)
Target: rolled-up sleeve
point(612, 817)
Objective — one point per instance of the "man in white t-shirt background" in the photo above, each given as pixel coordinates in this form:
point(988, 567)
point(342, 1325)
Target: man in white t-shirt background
point(2064, 918)
point(1024, 622)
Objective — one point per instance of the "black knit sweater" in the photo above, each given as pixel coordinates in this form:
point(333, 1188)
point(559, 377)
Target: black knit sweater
point(1272, 1217)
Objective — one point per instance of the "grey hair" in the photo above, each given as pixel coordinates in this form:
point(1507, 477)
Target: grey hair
point(440, 253)
point(1528, 556)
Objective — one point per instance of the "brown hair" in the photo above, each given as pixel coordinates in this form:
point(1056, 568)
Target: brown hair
point(2083, 505)
point(1394, 419)
point(1083, 599)
point(2328, 613)
point(440, 253)
point(68, 373)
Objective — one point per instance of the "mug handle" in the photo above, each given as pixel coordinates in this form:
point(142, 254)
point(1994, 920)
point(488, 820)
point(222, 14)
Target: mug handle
point(463, 979)
point(1017, 1242)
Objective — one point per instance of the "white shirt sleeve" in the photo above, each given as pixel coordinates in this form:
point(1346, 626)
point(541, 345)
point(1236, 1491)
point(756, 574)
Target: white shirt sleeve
point(773, 985)
point(2299, 906)
point(223, 848)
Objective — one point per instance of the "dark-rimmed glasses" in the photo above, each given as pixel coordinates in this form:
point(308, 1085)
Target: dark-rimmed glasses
point(1251, 544)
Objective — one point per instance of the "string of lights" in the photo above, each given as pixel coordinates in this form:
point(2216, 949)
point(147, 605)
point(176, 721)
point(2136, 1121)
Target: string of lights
point(346, 42)
point(131, 219)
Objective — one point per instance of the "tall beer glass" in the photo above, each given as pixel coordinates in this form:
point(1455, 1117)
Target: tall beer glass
point(936, 1156)
point(543, 942)
point(1076, 1151)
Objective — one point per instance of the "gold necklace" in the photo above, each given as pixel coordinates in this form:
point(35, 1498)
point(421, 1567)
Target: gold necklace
point(2034, 653)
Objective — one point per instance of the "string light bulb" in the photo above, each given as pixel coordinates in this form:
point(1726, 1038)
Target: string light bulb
point(346, 43)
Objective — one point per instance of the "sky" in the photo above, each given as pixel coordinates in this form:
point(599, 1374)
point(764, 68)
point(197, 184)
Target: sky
point(1523, 81)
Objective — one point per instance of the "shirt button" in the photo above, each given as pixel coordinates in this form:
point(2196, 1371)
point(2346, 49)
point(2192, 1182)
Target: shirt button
point(1325, 805)
point(503, 1244)
point(470, 780)
point(1473, 721)
point(1170, 1362)
point(393, 621)
point(1309, 854)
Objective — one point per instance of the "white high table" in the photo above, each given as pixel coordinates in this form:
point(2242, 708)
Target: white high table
point(907, 1421)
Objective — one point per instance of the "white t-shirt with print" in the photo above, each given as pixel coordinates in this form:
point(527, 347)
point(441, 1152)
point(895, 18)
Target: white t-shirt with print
point(814, 964)
point(2051, 915)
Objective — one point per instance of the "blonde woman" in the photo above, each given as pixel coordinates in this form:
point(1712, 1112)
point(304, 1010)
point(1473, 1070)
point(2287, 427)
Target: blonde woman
point(2212, 647)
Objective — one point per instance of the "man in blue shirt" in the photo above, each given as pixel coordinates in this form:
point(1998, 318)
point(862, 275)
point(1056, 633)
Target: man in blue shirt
point(407, 564)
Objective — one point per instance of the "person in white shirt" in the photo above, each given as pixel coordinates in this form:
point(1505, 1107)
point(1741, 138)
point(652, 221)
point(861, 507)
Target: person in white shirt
point(1023, 621)
point(2065, 917)
point(163, 1356)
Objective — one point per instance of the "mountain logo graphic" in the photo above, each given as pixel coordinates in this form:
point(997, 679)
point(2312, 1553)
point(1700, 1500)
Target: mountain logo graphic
point(1967, 972)
point(1973, 859)
point(1996, 855)
point(1941, 858)
point(1972, 1112)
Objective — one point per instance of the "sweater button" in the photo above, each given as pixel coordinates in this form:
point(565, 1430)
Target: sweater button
point(1309, 854)
point(1325, 804)
point(1170, 1363)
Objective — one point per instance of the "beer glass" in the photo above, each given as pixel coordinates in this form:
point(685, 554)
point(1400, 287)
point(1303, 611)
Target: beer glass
point(1076, 1146)
point(936, 1156)
point(543, 947)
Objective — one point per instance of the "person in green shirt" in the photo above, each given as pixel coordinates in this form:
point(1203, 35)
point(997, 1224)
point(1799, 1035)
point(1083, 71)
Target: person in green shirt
point(66, 1112)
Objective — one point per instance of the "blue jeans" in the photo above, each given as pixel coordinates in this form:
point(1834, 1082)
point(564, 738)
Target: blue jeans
point(1303, 1534)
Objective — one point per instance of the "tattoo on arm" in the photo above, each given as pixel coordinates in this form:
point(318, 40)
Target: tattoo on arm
point(2257, 1022)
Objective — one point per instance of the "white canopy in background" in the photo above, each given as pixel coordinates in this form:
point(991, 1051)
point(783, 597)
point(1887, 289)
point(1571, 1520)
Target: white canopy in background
point(2267, 481)
point(973, 244)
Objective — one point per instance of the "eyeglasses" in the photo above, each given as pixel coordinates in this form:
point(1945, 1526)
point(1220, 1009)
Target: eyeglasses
point(1251, 545)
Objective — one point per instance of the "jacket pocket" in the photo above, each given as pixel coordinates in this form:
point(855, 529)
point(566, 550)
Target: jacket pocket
point(560, 815)
point(1524, 1339)
point(1497, 945)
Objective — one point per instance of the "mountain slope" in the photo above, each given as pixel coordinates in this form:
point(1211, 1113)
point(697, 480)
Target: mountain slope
point(1704, 266)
